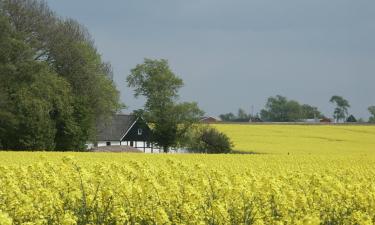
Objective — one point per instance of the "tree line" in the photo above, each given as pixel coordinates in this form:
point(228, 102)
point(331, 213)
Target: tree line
point(281, 109)
point(55, 90)
point(54, 86)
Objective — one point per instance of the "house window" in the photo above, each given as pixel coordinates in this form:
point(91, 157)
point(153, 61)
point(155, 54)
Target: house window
point(132, 143)
point(139, 131)
point(108, 143)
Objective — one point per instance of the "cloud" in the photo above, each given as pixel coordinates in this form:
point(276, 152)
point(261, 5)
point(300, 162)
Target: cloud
point(237, 53)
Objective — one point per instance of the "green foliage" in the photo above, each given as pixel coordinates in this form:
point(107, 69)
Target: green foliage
point(241, 116)
point(159, 85)
point(227, 117)
point(209, 140)
point(310, 112)
point(55, 87)
point(280, 109)
point(341, 109)
point(371, 109)
point(34, 101)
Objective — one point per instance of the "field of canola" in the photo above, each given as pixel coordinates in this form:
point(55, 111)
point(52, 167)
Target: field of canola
point(105, 188)
point(296, 139)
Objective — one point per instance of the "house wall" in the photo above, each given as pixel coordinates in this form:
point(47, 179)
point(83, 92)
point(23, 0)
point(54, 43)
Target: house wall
point(104, 143)
point(140, 145)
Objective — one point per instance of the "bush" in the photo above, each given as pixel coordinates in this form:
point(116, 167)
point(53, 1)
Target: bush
point(209, 140)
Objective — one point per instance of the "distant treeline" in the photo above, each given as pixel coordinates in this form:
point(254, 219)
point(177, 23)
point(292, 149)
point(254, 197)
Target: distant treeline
point(54, 86)
point(281, 109)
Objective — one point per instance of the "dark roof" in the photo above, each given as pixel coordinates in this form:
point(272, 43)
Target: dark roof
point(116, 129)
point(208, 119)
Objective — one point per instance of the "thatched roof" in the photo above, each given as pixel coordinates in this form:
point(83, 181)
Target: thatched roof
point(117, 128)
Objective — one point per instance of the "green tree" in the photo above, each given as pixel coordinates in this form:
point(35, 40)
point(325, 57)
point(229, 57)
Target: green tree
point(280, 109)
point(35, 103)
point(241, 116)
point(341, 108)
point(68, 50)
point(209, 140)
point(371, 109)
point(227, 117)
point(310, 112)
point(159, 85)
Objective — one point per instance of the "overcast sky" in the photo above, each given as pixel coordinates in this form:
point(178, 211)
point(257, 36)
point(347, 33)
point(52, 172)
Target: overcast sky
point(237, 53)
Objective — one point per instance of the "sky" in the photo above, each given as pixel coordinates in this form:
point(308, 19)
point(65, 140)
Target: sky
point(236, 53)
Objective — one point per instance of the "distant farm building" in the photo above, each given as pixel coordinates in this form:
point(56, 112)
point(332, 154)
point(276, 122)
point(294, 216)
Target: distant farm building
point(325, 120)
point(255, 119)
point(208, 119)
point(316, 120)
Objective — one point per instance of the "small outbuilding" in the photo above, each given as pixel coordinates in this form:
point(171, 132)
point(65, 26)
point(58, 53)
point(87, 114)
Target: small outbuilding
point(325, 120)
point(208, 119)
point(255, 119)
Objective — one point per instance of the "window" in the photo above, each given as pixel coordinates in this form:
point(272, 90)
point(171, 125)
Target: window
point(108, 143)
point(139, 131)
point(132, 143)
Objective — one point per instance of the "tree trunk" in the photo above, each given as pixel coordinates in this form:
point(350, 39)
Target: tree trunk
point(165, 149)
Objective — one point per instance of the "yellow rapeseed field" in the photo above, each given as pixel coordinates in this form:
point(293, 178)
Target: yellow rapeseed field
point(296, 139)
point(305, 187)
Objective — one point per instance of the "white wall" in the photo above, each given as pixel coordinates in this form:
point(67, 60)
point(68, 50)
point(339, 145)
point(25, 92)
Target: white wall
point(140, 145)
point(104, 143)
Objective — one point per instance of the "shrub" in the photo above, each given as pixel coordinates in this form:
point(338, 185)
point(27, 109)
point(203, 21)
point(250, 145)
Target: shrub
point(209, 140)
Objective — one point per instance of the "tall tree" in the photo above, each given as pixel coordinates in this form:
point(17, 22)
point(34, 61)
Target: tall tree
point(280, 109)
point(341, 108)
point(35, 103)
point(241, 116)
point(68, 50)
point(227, 117)
point(159, 85)
point(310, 112)
point(371, 109)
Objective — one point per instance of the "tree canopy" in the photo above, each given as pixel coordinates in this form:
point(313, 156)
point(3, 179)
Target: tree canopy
point(241, 116)
point(206, 139)
point(171, 119)
point(281, 109)
point(55, 87)
point(341, 108)
point(371, 109)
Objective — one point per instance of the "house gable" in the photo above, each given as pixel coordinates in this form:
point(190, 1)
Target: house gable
point(139, 131)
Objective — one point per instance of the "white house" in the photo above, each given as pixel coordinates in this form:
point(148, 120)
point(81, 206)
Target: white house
point(127, 130)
